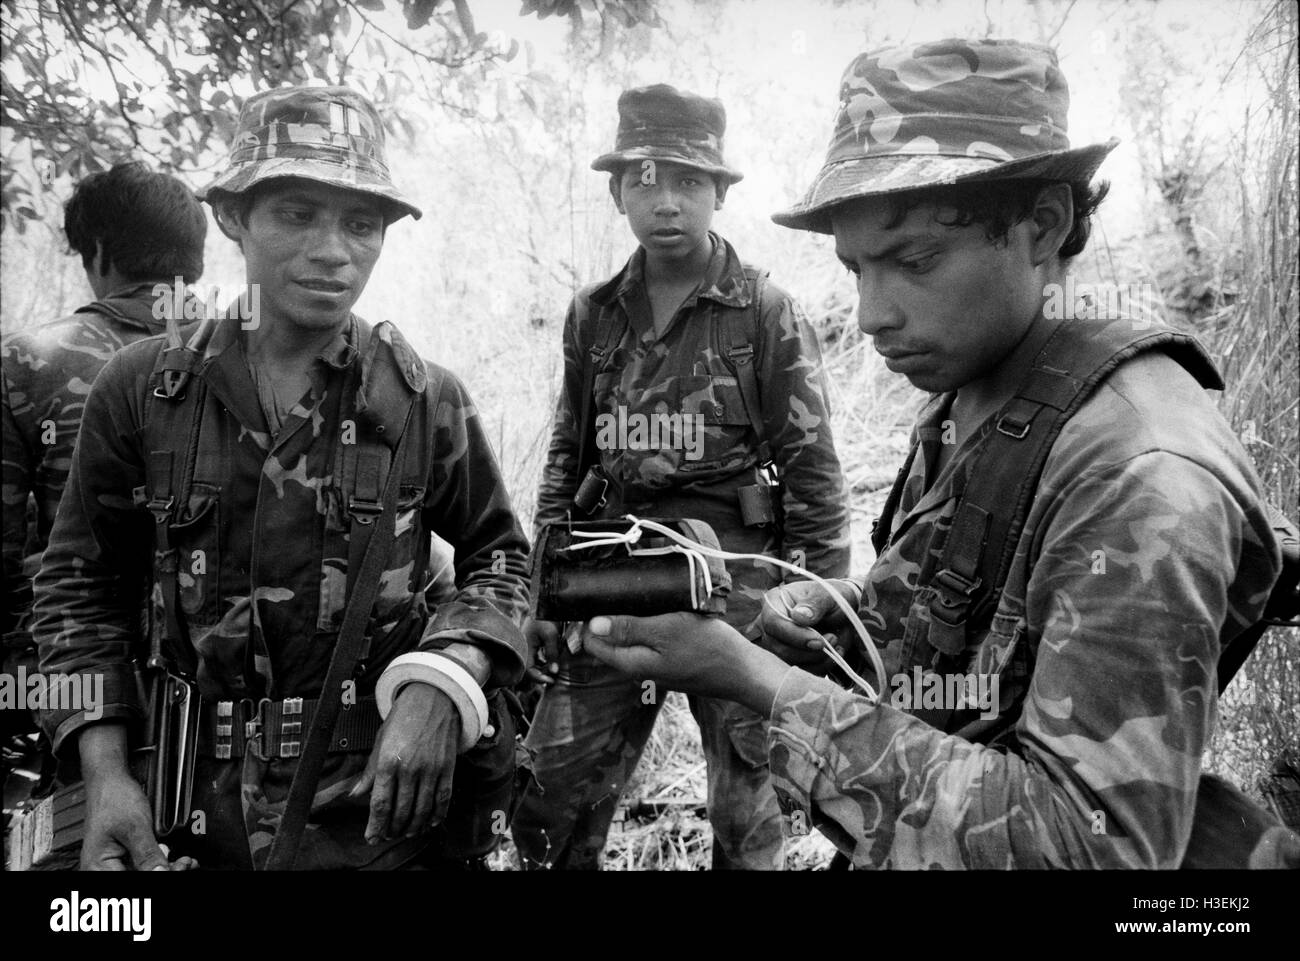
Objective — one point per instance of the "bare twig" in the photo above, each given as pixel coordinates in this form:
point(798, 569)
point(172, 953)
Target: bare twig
point(1064, 17)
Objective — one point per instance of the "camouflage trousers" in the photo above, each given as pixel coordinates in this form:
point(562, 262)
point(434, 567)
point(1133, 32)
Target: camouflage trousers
point(587, 736)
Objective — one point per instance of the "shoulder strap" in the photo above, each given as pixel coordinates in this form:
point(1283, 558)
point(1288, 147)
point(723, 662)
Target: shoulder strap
point(743, 330)
point(596, 348)
point(173, 410)
point(977, 553)
point(881, 526)
point(388, 379)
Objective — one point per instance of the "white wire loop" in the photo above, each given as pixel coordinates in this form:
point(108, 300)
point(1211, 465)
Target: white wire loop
point(695, 557)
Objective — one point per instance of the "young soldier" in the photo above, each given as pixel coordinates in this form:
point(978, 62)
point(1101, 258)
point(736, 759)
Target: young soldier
point(671, 325)
point(250, 534)
point(956, 201)
point(134, 229)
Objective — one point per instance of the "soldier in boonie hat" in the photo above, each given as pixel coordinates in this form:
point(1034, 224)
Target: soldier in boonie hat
point(305, 424)
point(945, 112)
point(685, 332)
point(662, 123)
point(332, 135)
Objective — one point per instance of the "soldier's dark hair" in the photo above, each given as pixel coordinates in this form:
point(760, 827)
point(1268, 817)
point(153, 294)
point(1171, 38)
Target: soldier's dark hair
point(150, 224)
point(999, 205)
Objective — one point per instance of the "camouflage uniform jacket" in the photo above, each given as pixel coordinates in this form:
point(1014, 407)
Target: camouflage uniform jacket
point(47, 374)
point(683, 371)
point(264, 613)
point(1145, 549)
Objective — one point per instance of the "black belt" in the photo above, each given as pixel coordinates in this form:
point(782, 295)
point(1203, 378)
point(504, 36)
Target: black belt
point(277, 729)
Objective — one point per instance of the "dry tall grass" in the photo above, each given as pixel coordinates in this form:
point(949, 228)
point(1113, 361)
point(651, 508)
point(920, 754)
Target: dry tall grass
point(1254, 333)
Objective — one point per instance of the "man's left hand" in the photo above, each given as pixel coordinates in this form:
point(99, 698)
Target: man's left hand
point(410, 769)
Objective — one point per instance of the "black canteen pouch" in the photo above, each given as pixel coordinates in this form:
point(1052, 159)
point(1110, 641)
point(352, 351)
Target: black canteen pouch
point(591, 495)
point(760, 505)
point(641, 579)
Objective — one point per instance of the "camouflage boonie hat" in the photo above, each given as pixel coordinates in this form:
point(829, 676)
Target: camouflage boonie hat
point(947, 112)
point(666, 124)
point(331, 135)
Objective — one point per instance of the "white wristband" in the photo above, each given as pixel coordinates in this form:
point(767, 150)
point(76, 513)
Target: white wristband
point(446, 675)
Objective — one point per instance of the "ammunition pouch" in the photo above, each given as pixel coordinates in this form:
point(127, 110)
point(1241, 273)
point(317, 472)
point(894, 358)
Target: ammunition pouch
point(591, 495)
point(760, 505)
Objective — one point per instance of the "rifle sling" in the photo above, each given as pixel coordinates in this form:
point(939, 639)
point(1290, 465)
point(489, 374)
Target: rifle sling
point(743, 332)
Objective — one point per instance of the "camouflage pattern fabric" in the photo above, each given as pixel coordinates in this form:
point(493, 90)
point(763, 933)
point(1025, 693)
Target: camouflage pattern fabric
point(1145, 550)
point(944, 112)
point(332, 135)
point(586, 739)
point(663, 123)
point(47, 373)
point(588, 735)
point(264, 611)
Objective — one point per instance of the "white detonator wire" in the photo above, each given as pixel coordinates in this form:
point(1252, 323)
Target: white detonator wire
point(693, 550)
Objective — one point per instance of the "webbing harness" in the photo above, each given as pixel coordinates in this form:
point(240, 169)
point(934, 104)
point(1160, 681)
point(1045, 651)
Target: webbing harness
point(169, 470)
point(976, 559)
point(994, 502)
point(371, 470)
point(741, 330)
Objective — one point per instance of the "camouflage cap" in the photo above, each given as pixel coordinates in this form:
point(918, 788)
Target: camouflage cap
point(332, 135)
point(946, 112)
point(661, 122)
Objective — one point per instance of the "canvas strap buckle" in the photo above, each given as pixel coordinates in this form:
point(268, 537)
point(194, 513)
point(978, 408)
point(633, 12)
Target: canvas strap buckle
point(948, 611)
point(742, 354)
point(1012, 427)
point(953, 596)
point(160, 506)
point(364, 511)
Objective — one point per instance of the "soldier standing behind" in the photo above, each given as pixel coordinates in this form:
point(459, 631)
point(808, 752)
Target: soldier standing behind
point(134, 229)
point(308, 429)
point(674, 328)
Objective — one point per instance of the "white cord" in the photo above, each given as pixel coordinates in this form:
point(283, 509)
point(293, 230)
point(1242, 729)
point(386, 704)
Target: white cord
point(696, 564)
point(695, 551)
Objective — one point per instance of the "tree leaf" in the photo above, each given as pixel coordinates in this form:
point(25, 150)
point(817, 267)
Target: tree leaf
point(77, 121)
